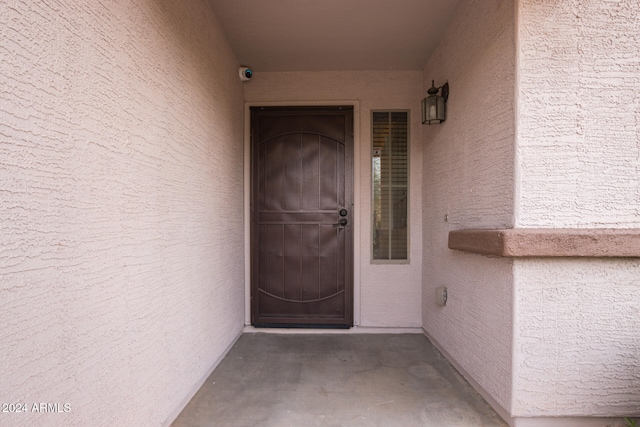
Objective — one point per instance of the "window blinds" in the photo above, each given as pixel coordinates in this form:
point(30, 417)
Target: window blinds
point(390, 184)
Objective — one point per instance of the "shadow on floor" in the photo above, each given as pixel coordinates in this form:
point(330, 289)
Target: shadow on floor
point(278, 380)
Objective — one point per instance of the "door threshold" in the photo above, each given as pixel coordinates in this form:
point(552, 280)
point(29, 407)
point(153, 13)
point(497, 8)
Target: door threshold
point(248, 329)
point(298, 326)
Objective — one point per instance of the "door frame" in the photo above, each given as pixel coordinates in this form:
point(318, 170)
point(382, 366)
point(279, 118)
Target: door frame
point(356, 196)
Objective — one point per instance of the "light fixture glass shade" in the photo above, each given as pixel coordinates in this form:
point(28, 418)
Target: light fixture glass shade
point(433, 110)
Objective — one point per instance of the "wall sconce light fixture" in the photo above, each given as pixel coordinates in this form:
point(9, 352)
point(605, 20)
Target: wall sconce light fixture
point(434, 106)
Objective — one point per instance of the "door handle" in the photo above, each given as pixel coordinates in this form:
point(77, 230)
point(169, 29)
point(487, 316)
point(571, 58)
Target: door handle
point(342, 222)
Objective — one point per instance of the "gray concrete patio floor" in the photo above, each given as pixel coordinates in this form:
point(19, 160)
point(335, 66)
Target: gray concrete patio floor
point(280, 380)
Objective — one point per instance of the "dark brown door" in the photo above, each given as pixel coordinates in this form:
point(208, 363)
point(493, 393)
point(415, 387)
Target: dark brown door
point(301, 216)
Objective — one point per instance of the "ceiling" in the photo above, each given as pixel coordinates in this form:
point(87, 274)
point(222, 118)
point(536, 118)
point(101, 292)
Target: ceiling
point(332, 35)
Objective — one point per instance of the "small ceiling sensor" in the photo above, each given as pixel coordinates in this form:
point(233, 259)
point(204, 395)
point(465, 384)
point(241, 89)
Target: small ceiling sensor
point(245, 73)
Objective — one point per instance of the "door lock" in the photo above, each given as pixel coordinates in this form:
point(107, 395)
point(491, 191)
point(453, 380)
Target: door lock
point(342, 222)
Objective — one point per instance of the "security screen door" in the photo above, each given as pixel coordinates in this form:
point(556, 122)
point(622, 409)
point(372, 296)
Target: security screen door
point(302, 216)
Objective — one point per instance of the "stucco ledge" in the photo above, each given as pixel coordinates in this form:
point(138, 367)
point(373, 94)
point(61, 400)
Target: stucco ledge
point(543, 242)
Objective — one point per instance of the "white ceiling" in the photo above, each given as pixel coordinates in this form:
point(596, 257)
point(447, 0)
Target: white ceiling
point(303, 35)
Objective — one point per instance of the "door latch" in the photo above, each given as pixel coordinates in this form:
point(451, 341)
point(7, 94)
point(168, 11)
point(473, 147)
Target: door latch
point(342, 222)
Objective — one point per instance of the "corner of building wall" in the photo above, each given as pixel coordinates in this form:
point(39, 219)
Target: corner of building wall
point(516, 116)
point(514, 335)
point(504, 413)
point(185, 401)
point(516, 197)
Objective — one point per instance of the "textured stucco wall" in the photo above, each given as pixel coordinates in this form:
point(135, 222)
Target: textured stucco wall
point(577, 327)
point(579, 114)
point(577, 337)
point(389, 294)
point(121, 235)
point(468, 179)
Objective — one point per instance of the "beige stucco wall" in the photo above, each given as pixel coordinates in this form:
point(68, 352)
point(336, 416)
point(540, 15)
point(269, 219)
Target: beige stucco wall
point(577, 321)
point(121, 239)
point(577, 337)
point(468, 183)
point(578, 114)
point(386, 295)
point(550, 341)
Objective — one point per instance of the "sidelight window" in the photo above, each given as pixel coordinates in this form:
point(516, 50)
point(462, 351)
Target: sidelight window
point(390, 167)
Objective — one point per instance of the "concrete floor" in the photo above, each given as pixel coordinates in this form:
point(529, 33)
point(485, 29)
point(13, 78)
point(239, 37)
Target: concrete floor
point(278, 380)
